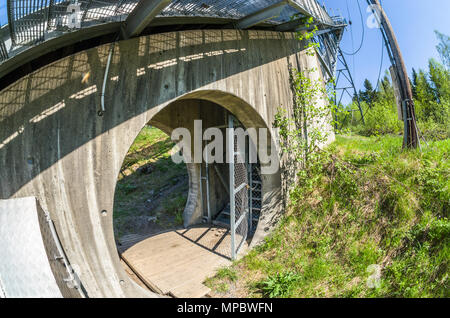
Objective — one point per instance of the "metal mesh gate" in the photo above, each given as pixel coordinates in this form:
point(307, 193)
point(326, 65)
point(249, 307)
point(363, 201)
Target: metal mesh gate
point(239, 185)
point(255, 199)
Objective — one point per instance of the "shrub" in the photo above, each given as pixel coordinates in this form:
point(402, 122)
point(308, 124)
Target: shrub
point(380, 120)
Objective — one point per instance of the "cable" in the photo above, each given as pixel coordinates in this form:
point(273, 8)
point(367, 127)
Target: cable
point(351, 33)
point(379, 72)
point(381, 64)
point(363, 32)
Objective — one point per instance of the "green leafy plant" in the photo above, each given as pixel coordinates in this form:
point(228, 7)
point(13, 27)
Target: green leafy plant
point(279, 285)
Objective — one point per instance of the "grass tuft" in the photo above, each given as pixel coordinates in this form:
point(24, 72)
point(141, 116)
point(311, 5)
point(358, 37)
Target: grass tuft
point(363, 205)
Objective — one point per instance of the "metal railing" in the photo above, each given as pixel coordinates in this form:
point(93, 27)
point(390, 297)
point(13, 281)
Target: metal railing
point(33, 22)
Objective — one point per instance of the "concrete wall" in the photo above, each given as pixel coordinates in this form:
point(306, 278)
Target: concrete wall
point(54, 146)
point(183, 113)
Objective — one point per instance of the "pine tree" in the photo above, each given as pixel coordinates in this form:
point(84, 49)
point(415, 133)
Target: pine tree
point(386, 90)
point(426, 100)
point(444, 48)
point(439, 80)
point(369, 95)
point(414, 83)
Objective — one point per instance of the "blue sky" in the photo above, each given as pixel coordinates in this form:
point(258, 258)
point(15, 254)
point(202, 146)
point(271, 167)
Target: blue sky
point(414, 22)
point(3, 18)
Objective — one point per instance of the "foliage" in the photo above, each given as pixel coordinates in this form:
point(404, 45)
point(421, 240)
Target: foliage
point(308, 36)
point(308, 127)
point(228, 273)
point(369, 95)
point(381, 119)
point(431, 92)
point(150, 185)
point(279, 284)
point(444, 48)
point(307, 130)
point(360, 203)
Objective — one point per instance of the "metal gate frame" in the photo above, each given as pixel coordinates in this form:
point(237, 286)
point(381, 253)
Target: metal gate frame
point(207, 217)
point(233, 151)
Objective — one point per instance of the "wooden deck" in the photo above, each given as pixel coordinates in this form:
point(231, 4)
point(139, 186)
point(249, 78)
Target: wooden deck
point(176, 263)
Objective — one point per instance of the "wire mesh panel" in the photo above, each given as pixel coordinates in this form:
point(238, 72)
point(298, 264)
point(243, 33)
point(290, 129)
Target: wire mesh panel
point(216, 8)
point(27, 20)
point(3, 51)
point(61, 12)
point(239, 209)
point(33, 21)
point(255, 199)
point(236, 9)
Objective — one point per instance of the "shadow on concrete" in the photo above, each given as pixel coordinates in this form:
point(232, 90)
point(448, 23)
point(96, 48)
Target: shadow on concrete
point(218, 247)
point(53, 111)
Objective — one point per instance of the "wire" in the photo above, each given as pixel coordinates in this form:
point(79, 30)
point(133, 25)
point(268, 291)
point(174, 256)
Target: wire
point(381, 64)
point(379, 72)
point(363, 32)
point(351, 33)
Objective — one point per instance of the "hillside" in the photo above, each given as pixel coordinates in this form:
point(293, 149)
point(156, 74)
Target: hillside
point(364, 209)
point(151, 189)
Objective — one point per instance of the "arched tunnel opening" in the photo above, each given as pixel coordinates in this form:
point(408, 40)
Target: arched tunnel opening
point(176, 223)
point(151, 189)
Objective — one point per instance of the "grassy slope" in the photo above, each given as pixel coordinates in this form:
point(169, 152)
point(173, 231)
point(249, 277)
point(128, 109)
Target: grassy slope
point(161, 191)
point(363, 202)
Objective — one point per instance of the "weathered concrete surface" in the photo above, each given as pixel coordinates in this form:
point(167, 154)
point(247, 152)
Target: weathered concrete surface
point(54, 146)
point(183, 113)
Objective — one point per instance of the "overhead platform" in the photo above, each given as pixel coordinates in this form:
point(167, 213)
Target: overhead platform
point(176, 263)
point(49, 29)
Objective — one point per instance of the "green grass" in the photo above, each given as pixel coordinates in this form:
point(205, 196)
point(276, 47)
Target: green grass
point(227, 273)
point(165, 183)
point(150, 144)
point(222, 280)
point(363, 202)
point(279, 284)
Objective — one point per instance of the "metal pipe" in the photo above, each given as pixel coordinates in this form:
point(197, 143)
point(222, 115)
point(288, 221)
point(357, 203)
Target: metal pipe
point(72, 281)
point(201, 192)
point(105, 79)
point(230, 152)
point(207, 185)
point(250, 203)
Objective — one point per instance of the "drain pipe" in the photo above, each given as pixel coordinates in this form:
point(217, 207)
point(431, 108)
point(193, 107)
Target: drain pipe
point(101, 112)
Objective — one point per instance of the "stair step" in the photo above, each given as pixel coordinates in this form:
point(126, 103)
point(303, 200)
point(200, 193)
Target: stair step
point(222, 224)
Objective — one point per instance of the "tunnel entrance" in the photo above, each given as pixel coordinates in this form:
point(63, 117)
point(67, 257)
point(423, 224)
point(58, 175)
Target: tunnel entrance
point(151, 190)
point(176, 224)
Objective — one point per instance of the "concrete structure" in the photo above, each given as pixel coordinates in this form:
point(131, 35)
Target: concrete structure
point(73, 98)
point(176, 263)
point(54, 145)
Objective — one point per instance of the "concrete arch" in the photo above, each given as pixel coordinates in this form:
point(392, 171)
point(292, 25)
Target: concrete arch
point(53, 146)
point(249, 117)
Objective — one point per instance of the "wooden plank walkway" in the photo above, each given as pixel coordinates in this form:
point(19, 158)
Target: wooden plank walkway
point(176, 263)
